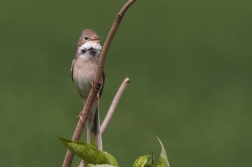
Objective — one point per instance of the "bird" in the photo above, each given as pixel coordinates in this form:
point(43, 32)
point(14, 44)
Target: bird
point(83, 70)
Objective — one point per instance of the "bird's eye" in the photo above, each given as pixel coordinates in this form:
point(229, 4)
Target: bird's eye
point(86, 38)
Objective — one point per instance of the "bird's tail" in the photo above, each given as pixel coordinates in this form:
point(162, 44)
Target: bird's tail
point(93, 125)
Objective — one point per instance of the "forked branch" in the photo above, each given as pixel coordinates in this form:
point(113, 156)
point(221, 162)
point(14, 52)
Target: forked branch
point(112, 108)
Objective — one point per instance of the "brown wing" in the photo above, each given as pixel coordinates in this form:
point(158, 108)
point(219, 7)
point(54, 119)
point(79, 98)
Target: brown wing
point(103, 82)
point(71, 70)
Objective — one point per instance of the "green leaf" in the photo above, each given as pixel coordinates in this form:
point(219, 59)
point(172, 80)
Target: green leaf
point(150, 163)
point(163, 160)
point(103, 165)
point(93, 143)
point(141, 161)
point(88, 152)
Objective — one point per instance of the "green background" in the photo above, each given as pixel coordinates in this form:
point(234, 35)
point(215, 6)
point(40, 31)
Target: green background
point(190, 66)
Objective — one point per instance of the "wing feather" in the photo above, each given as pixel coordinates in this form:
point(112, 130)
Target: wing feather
point(103, 81)
point(71, 70)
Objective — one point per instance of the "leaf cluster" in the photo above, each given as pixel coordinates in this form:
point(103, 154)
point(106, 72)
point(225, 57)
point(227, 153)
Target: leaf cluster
point(97, 158)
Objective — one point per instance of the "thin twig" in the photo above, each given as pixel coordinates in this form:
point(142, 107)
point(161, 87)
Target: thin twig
point(114, 104)
point(93, 92)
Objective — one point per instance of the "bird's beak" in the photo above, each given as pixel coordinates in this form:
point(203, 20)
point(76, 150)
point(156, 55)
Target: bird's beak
point(96, 39)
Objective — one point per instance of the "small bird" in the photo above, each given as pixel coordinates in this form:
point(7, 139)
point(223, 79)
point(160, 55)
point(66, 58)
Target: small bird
point(83, 71)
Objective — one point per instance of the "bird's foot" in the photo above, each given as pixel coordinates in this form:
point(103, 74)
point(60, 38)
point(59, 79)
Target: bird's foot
point(97, 97)
point(96, 88)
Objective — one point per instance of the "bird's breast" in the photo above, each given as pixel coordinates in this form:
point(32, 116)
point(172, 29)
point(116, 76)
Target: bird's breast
point(84, 72)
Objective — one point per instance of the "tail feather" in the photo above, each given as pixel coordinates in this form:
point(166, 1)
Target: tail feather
point(93, 125)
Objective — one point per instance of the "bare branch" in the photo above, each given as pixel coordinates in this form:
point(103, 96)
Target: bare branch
point(93, 92)
point(114, 104)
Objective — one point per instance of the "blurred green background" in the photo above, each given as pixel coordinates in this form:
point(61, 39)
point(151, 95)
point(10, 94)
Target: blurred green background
point(190, 66)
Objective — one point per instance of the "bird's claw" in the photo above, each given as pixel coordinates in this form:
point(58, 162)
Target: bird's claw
point(96, 88)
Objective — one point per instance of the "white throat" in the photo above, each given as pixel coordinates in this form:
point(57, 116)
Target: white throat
point(90, 45)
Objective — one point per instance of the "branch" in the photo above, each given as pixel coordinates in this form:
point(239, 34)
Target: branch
point(114, 104)
point(93, 92)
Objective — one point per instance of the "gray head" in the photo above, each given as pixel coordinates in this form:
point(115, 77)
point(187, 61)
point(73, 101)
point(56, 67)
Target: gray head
point(89, 43)
point(86, 36)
